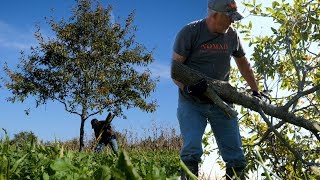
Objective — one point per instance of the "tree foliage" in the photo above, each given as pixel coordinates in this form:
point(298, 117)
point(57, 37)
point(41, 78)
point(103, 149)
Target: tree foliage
point(287, 62)
point(92, 65)
point(24, 136)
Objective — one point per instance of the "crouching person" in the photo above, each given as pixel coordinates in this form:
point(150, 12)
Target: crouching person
point(104, 135)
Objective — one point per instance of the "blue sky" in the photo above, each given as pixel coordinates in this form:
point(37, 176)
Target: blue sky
point(157, 22)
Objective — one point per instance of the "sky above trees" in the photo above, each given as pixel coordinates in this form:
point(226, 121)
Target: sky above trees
point(157, 24)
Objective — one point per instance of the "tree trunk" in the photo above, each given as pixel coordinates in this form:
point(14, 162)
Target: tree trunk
point(81, 134)
point(83, 119)
point(226, 92)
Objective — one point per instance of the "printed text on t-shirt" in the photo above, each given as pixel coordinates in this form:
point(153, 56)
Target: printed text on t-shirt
point(216, 48)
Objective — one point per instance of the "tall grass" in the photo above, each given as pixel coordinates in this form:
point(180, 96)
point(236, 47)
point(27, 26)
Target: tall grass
point(23, 157)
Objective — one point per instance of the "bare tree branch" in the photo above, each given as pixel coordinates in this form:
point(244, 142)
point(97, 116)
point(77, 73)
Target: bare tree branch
point(286, 144)
point(300, 94)
point(265, 135)
point(288, 43)
point(66, 107)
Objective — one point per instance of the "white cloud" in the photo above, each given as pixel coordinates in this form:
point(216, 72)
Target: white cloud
point(157, 70)
point(14, 44)
point(21, 39)
point(4, 27)
point(160, 70)
point(14, 38)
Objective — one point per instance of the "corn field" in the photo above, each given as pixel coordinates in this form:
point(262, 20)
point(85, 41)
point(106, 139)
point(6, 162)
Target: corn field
point(35, 160)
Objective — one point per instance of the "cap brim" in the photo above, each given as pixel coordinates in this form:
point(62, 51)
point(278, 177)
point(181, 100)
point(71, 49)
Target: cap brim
point(235, 16)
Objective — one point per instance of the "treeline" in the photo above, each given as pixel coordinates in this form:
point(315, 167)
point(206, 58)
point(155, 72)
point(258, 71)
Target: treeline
point(166, 139)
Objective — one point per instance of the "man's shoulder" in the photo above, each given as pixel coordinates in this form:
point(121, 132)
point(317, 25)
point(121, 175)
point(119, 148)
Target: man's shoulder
point(195, 25)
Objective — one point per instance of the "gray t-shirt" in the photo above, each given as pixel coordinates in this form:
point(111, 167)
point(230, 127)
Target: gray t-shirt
point(206, 52)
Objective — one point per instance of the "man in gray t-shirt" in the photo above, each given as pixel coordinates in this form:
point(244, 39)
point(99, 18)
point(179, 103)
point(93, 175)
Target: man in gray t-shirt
point(207, 46)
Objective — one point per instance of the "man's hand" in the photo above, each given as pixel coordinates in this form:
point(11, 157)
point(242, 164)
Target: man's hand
point(196, 89)
point(261, 95)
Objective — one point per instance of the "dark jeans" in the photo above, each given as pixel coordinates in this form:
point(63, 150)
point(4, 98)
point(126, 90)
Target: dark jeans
point(113, 143)
point(193, 118)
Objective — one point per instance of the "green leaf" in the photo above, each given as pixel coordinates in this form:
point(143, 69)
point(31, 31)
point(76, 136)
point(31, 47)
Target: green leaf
point(17, 163)
point(4, 165)
point(275, 4)
point(250, 25)
point(270, 10)
point(189, 173)
point(126, 166)
point(249, 5)
point(45, 176)
point(102, 173)
point(61, 165)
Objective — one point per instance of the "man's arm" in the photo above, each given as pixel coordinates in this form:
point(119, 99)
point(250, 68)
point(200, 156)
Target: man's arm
point(247, 73)
point(179, 58)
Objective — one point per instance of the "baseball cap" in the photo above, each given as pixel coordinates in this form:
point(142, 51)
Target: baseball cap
point(226, 6)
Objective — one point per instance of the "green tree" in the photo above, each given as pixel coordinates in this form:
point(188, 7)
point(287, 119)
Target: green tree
point(287, 61)
point(23, 137)
point(92, 65)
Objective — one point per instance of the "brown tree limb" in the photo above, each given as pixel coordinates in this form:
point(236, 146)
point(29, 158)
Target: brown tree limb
point(229, 111)
point(66, 107)
point(226, 92)
point(266, 134)
point(300, 94)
